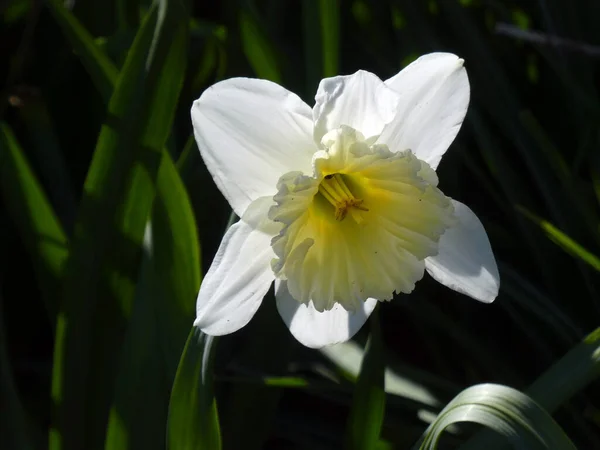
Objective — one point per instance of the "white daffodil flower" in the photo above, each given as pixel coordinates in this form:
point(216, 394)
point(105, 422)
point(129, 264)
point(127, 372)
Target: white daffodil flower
point(339, 205)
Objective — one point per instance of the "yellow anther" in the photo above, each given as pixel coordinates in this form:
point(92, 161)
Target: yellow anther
point(334, 190)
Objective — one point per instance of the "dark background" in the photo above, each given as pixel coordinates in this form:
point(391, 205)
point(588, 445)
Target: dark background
point(527, 156)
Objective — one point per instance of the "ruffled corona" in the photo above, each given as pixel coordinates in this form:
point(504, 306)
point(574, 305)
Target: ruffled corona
point(361, 226)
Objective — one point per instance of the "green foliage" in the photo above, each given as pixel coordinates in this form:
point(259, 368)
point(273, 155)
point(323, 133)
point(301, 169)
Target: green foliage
point(366, 416)
point(38, 225)
point(105, 201)
point(508, 412)
point(193, 422)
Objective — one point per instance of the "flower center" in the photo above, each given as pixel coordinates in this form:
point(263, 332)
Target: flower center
point(334, 190)
point(398, 215)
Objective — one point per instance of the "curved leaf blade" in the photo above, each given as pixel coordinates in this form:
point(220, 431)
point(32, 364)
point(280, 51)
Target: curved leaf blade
point(34, 218)
point(163, 311)
point(579, 367)
point(508, 412)
point(103, 72)
point(193, 422)
point(118, 196)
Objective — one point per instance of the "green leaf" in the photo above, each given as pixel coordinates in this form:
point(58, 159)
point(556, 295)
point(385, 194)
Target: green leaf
point(538, 305)
point(249, 410)
point(258, 48)
point(330, 33)
point(47, 156)
point(142, 378)
point(15, 11)
point(91, 278)
point(579, 204)
point(516, 191)
point(406, 382)
point(163, 311)
point(34, 218)
point(368, 406)
point(193, 422)
point(502, 105)
point(128, 13)
point(176, 261)
point(572, 373)
point(321, 20)
point(508, 412)
point(562, 240)
point(167, 292)
point(188, 157)
point(103, 72)
point(118, 195)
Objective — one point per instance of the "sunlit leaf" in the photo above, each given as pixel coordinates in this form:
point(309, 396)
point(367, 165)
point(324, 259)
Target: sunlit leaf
point(163, 311)
point(508, 412)
point(34, 218)
point(193, 422)
point(563, 241)
point(118, 196)
point(570, 374)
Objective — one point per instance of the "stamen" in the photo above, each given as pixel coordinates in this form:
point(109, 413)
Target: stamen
point(334, 190)
point(342, 186)
point(373, 254)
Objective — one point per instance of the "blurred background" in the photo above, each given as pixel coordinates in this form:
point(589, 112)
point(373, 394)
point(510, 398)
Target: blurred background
point(96, 151)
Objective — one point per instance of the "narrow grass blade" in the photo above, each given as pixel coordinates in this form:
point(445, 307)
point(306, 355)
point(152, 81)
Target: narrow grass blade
point(579, 202)
point(368, 406)
point(176, 260)
point(187, 158)
point(321, 21)
point(163, 311)
point(14, 11)
point(249, 411)
point(128, 13)
point(174, 244)
point(508, 412)
point(562, 240)
point(530, 299)
point(118, 196)
point(49, 160)
point(88, 274)
point(193, 422)
point(498, 95)
point(330, 32)
point(142, 378)
point(312, 45)
point(103, 72)
point(258, 48)
point(572, 373)
point(34, 218)
point(400, 380)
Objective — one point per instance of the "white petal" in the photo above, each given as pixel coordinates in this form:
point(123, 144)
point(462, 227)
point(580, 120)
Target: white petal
point(434, 96)
point(237, 281)
point(250, 132)
point(316, 329)
point(361, 101)
point(465, 261)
